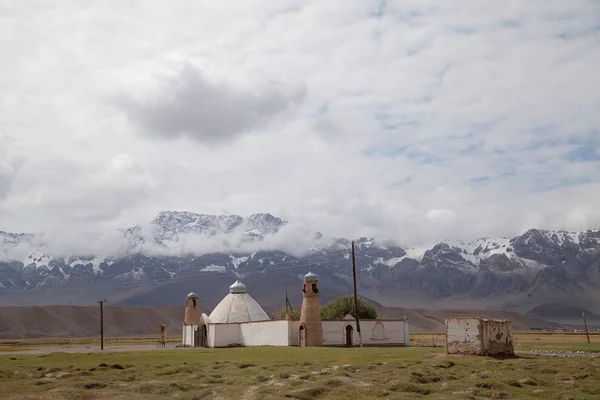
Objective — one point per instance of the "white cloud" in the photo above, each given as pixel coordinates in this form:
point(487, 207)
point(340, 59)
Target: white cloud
point(479, 107)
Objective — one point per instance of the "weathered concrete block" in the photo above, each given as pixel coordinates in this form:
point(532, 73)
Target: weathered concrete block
point(479, 336)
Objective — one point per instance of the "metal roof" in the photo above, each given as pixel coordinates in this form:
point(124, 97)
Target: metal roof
point(237, 287)
point(311, 277)
point(192, 295)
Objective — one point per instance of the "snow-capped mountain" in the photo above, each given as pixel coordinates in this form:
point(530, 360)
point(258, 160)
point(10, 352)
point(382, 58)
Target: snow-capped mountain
point(523, 273)
point(169, 226)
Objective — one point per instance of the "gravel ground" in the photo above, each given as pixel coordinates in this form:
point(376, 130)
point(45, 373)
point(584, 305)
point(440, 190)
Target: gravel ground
point(558, 353)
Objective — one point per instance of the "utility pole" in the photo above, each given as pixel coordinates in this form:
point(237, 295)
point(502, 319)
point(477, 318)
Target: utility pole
point(355, 296)
point(101, 302)
point(586, 328)
point(288, 305)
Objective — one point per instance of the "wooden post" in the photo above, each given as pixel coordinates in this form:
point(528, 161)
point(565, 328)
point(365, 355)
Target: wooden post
point(586, 328)
point(101, 324)
point(355, 296)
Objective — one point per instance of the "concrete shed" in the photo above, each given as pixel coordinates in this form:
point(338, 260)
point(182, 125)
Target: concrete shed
point(479, 336)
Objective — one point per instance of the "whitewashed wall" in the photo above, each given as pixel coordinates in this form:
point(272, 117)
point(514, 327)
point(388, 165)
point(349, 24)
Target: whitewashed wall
point(267, 333)
point(188, 335)
point(293, 336)
point(479, 336)
point(374, 332)
point(224, 335)
point(463, 336)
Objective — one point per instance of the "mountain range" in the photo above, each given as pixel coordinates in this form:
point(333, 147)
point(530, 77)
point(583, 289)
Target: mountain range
point(542, 273)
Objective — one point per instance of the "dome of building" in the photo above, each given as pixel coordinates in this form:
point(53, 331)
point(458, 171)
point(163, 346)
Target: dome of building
point(310, 277)
point(238, 306)
point(192, 295)
point(237, 287)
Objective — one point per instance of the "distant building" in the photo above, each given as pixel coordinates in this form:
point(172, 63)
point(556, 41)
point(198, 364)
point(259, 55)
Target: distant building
point(479, 336)
point(238, 320)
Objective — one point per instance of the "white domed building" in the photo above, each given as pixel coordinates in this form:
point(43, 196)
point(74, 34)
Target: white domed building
point(238, 320)
point(237, 307)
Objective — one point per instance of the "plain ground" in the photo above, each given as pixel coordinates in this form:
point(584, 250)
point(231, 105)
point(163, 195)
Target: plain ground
point(76, 321)
point(289, 372)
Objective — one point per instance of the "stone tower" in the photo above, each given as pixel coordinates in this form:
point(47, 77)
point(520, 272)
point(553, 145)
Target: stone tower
point(311, 329)
point(192, 310)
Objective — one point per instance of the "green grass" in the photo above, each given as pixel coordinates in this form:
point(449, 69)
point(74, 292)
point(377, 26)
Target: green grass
point(275, 373)
point(110, 340)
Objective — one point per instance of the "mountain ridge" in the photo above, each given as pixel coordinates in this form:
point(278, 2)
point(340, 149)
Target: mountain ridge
point(530, 271)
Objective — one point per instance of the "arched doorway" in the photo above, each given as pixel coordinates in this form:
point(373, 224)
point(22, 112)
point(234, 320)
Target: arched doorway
point(349, 335)
point(302, 336)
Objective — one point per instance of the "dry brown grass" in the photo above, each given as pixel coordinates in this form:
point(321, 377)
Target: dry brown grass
point(274, 373)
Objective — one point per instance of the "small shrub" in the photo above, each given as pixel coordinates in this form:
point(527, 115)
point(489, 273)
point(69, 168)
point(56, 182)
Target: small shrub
point(529, 381)
point(166, 373)
point(310, 393)
point(549, 371)
point(580, 377)
point(246, 365)
point(485, 385)
point(184, 387)
point(94, 385)
point(334, 383)
point(157, 388)
point(421, 378)
point(409, 388)
point(514, 383)
point(445, 364)
point(284, 375)
point(261, 378)
point(203, 395)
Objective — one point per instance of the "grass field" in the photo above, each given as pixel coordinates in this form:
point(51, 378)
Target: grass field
point(323, 373)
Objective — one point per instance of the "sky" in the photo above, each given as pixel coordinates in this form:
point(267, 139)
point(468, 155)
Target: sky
point(412, 120)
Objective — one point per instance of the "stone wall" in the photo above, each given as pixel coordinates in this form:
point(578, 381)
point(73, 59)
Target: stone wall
point(497, 337)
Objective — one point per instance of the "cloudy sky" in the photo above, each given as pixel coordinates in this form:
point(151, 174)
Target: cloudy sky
point(416, 120)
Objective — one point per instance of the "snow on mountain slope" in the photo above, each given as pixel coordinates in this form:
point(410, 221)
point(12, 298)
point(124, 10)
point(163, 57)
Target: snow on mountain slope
point(475, 250)
point(169, 226)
